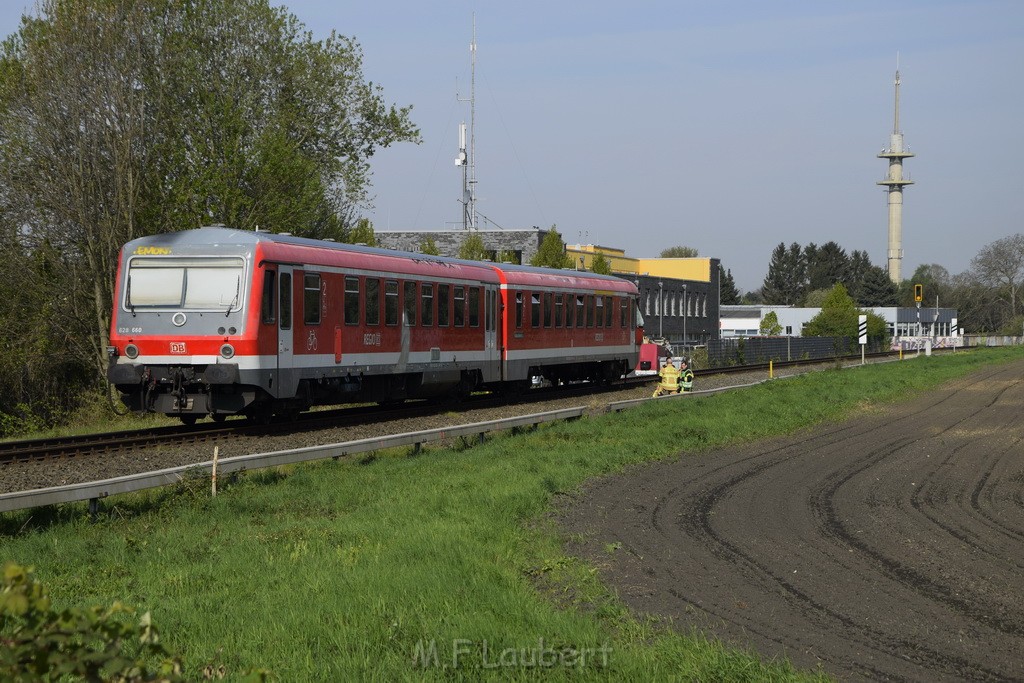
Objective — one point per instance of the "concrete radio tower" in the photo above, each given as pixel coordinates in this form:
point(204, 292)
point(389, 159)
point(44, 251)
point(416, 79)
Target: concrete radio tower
point(895, 182)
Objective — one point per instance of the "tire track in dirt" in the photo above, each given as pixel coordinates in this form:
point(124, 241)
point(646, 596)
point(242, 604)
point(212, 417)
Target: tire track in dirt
point(889, 546)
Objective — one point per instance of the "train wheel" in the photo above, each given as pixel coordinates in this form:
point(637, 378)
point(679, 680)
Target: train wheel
point(260, 413)
point(188, 419)
point(219, 417)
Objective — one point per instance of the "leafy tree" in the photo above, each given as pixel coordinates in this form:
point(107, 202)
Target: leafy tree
point(935, 280)
point(816, 298)
point(770, 324)
point(472, 248)
point(785, 282)
point(679, 252)
point(123, 118)
point(839, 318)
point(728, 294)
point(1001, 265)
point(362, 233)
point(601, 265)
point(429, 246)
point(551, 253)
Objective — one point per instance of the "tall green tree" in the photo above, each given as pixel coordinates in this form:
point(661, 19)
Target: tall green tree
point(729, 295)
point(876, 289)
point(857, 272)
point(786, 281)
point(551, 253)
point(120, 118)
point(826, 265)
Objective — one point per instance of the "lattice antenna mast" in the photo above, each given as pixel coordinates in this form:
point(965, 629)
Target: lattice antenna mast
point(468, 161)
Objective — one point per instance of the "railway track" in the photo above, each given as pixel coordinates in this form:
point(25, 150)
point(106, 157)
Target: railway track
point(12, 452)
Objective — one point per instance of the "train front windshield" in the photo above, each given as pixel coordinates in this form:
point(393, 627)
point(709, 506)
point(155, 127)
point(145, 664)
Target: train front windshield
point(197, 284)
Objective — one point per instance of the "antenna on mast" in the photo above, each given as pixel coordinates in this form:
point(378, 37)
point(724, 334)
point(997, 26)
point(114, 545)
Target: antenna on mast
point(468, 161)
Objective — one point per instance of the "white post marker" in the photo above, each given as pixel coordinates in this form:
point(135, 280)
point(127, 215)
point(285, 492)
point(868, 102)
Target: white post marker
point(862, 329)
point(954, 331)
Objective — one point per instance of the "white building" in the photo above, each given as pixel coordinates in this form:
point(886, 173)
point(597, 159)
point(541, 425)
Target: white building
point(745, 321)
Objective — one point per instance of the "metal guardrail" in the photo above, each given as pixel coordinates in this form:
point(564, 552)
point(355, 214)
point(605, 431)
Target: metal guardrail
point(95, 490)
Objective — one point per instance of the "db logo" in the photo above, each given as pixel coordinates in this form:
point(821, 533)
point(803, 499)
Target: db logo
point(178, 348)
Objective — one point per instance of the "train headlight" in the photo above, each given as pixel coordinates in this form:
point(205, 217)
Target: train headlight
point(132, 351)
point(227, 351)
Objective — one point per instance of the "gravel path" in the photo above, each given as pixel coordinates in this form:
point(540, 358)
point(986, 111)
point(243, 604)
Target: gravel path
point(887, 547)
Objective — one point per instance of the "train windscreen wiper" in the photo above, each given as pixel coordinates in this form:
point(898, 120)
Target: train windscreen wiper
point(238, 287)
point(128, 296)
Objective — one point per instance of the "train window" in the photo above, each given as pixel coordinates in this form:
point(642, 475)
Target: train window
point(391, 302)
point(474, 307)
point(624, 315)
point(372, 301)
point(570, 309)
point(599, 301)
point(409, 291)
point(549, 308)
point(214, 284)
point(459, 311)
point(535, 310)
point(580, 307)
point(608, 310)
point(268, 310)
point(351, 300)
point(427, 310)
point(311, 298)
point(559, 309)
point(590, 310)
point(286, 301)
point(443, 305)
point(519, 309)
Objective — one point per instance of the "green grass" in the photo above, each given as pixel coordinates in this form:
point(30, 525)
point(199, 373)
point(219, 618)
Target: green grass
point(337, 570)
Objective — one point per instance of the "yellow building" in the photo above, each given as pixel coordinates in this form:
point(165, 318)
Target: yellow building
point(696, 269)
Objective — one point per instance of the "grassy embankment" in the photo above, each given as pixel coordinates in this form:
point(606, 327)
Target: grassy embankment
point(375, 568)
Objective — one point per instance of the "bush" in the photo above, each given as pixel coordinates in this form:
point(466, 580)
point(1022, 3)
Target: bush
point(38, 643)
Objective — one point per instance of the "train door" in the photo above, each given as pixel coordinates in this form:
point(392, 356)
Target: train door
point(285, 332)
point(492, 331)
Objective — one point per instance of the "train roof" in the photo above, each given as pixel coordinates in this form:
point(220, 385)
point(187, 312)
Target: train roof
point(201, 240)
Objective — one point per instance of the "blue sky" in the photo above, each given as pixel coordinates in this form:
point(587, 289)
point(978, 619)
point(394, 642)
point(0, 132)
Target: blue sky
point(727, 127)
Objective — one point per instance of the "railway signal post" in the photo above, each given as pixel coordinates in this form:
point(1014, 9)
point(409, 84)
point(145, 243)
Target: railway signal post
point(862, 329)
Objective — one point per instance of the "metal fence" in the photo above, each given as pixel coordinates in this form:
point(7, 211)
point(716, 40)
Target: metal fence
point(750, 350)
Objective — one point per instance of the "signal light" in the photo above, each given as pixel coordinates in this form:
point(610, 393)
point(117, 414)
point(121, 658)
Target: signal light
point(918, 292)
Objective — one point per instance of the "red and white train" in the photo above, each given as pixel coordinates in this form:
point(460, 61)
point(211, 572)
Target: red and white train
point(217, 322)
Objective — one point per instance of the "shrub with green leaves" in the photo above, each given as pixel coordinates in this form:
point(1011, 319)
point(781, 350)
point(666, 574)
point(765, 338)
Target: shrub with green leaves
point(96, 643)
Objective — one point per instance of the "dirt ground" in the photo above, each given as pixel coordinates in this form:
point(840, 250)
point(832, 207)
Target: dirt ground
point(888, 547)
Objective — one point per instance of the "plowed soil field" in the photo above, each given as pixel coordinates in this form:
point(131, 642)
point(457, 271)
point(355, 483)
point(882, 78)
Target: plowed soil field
point(887, 547)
